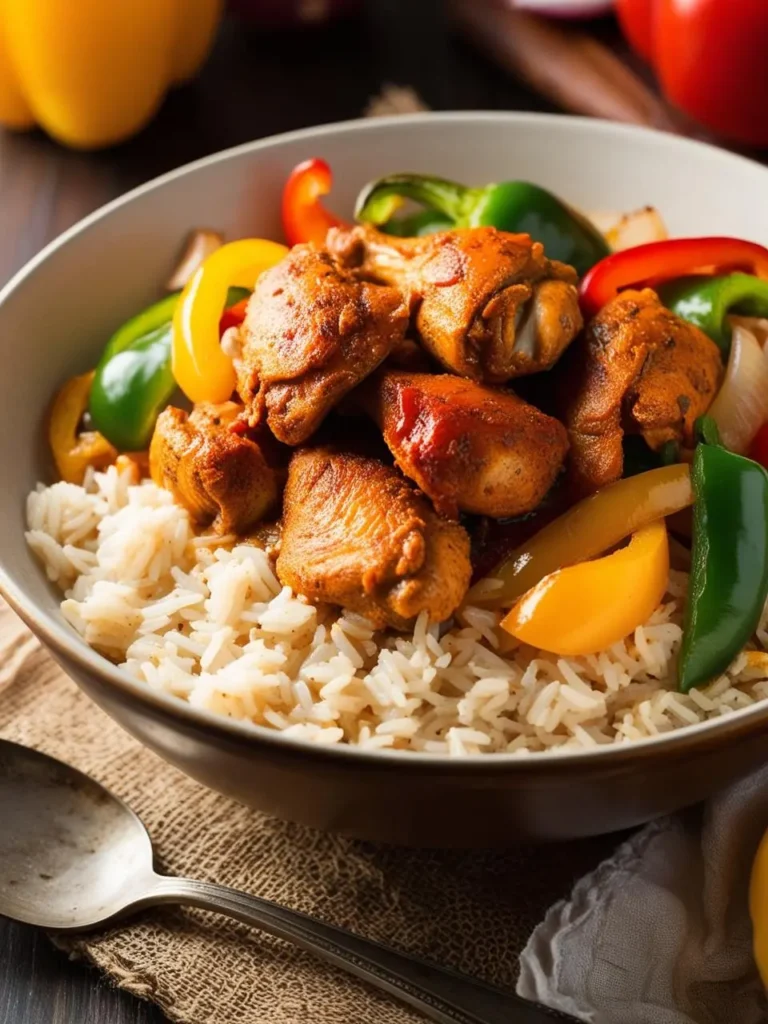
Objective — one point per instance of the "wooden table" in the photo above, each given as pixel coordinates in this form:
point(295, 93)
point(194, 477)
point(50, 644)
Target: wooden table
point(252, 87)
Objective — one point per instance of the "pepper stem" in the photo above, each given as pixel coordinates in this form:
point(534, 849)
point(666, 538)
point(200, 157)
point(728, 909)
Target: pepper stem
point(379, 199)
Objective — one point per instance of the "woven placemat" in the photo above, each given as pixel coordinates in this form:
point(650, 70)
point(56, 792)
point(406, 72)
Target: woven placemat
point(468, 910)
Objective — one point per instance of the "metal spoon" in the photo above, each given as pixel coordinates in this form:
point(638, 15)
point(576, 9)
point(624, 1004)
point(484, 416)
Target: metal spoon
point(73, 857)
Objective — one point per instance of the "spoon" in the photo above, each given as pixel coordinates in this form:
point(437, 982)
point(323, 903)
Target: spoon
point(74, 857)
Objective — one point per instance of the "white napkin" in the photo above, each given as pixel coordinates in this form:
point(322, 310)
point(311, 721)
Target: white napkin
point(660, 932)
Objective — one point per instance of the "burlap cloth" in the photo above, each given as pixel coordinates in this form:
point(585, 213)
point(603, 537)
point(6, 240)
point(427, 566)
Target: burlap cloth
point(472, 911)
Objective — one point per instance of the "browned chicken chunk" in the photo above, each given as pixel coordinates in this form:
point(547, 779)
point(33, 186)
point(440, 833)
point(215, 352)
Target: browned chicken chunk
point(488, 304)
point(312, 332)
point(639, 369)
point(220, 477)
point(356, 534)
point(470, 448)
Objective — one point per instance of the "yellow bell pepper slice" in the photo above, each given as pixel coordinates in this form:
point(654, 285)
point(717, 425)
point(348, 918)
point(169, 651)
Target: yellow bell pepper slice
point(93, 72)
point(758, 908)
point(585, 608)
point(594, 525)
point(202, 370)
point(74, 452)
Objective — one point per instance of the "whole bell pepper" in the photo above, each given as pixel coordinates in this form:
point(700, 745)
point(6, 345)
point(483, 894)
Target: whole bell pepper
point(93, 72)
point(133, 381)
point(516, 206)
point(588, 607)
point(201, 368)
point(657, 262)
point(707, 302)
point(710, 59)
point(729, 574)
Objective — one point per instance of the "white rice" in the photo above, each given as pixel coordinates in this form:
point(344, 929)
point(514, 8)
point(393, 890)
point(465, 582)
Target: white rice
point(210, 623)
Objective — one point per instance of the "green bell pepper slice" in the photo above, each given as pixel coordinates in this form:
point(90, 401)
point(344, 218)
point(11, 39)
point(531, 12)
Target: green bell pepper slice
point(516, 206)
point(417, 225)
point(133, 380)
point(707, 301)
point(729, 573)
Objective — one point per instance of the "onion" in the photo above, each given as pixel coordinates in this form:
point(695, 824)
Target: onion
point(200, 244)
point(637, 228)
point(563, 8)
point(755, 324)
point(741, 405)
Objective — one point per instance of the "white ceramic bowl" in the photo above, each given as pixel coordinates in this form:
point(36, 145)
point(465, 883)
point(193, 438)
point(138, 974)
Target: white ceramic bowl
point(55, 314)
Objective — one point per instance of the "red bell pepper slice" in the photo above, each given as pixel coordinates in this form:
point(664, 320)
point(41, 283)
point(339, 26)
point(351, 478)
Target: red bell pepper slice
point(233, 316)
point(305, 219)
point(759, 447)
point(662, 261)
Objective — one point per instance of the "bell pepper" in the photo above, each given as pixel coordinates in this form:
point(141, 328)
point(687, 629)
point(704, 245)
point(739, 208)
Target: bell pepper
point(133, 381)
point(707, 302)
point(74, 451)
point(729, 574)
point(93, 72)
point(587, 607)
point(417, 225)
point(201, 369)
point(516, 206)
point(657, 262)
point(591, 527)
point(758, 908)
point(305, 219)
point(759, 447)
point(710, 59)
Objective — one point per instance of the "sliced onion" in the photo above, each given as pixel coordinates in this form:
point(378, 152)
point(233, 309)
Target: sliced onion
point(741, 405)
point(757, 325)
point(637, 228)
point(200, 244)
point(563, 8)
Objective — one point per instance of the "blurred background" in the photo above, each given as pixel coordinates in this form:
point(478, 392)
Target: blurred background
point(97, 98)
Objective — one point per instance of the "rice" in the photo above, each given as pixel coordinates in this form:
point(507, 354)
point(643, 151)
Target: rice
point(207, 620)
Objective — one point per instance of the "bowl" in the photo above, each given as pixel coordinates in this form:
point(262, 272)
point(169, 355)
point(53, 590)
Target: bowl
point(54, 316)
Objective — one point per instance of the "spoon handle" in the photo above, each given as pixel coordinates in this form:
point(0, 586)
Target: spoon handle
point(441, 995)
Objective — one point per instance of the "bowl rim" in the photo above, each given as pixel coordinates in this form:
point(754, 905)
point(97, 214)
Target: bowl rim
point(69, 646)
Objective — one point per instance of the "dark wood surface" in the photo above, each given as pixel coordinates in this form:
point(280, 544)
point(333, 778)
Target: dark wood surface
point(253, 86)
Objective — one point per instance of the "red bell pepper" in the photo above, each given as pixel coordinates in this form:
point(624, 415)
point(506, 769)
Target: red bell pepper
point(305, 219)
point(759, 448)
point(233, 316)
point(710, 56)
point(662, 261)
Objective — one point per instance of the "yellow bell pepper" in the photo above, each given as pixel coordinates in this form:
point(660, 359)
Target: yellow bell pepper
point(93, 72)
point(202, 370)
point(585, 608)
point(758, 908)
point(594, 525)
point(74, 452)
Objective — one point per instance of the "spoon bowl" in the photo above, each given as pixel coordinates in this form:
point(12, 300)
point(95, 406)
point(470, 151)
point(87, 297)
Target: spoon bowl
point(73, 857)
point(71, 854)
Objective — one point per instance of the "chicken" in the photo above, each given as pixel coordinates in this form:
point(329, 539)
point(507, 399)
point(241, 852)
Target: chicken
point(356, 534)
point(311, 333)
point(470, 448)
point(220, 477)
point(488, 305)
point(639, 369)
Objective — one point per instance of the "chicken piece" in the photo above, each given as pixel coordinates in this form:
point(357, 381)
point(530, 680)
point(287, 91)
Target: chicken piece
point(488, 305)
point(638, 369)
point(470, 448)
point(220, 477)
point(312, 332)
point(356, 534)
